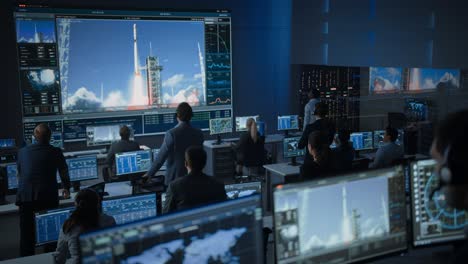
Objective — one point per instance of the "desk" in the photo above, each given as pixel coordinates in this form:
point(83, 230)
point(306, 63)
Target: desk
point(283, 170)
point(371, 156)
point(9, 218)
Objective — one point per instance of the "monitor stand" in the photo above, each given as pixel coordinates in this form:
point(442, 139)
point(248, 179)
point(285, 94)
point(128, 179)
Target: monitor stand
point(218, 140)
point(286, 133)
point(293, 162)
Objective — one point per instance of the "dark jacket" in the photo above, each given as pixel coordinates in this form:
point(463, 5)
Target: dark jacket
point(249, 153)
point(120, 147)
point(37, 175)
point(193, 190)
point(172, 151)
point(312, 170)
point(319, 125)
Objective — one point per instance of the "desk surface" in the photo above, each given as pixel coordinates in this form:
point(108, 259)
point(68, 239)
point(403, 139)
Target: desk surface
point(113, 188)
point(40, 259)
point(226, 142)
point(283, 169)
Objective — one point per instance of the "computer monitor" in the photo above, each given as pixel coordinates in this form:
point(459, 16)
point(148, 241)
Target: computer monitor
point(133, 162)
point(379, 136)
point(362, 140)
point(104, 135)
point(49, 223)
point(7, 143)
point(228, 232)
point(239, 190)
point(130, 208)
point(334, 221)
point(433, 220)
point(82, 168)
point(261, 128)
point(241, 122)
point(220, 126)
point(288, 122)
point(155, 155)
point(12, 176)
point(291, 149)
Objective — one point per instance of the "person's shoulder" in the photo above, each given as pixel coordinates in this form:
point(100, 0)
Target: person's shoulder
point(106, 220)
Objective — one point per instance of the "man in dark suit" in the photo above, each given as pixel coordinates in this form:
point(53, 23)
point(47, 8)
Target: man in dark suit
point(176, 142)
point(37, 183)
point(123, 145)
point(321, 124)
point(196, 188)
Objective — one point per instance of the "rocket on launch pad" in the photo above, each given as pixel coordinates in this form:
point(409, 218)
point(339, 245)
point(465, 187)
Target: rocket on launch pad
point(135, 51)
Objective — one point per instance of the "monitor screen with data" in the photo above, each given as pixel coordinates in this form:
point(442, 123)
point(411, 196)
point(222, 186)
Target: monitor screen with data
point(12, 177)
point(49, 224)
point(362, 140)
point(335, 221)
point(228, 232)
point(220, 126)
point(131, 208)
point(291, 148)
point(289, 122)
point(133, 162)
point(85, 67)
point(433, 220)
point(379, 136)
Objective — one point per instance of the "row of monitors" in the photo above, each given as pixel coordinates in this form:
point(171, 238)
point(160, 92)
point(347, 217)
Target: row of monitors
point(224, 125)
point(371, 139)
point(125, 209)
point(86, 167)
point(351, 225)
point(360, 140)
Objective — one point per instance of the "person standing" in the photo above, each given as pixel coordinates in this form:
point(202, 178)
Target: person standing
point(309, 108)
point(176, 141)
point(37, 183)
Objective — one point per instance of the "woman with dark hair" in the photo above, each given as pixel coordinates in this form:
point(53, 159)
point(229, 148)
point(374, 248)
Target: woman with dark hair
point(251, 148)
point(320, 162)
point(87, 216)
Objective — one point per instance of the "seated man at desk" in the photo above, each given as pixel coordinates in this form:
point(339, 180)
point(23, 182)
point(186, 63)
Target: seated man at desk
point(123, 145)
point(37, 166)
point(196, 188)
point(251, 148)
point(389, 152)
point(320, 162)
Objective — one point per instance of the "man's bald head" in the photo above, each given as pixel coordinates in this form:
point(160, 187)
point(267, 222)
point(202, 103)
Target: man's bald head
point(42, 133)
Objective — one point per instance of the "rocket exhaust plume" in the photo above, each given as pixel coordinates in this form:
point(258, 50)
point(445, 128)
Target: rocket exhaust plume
point(137, 85)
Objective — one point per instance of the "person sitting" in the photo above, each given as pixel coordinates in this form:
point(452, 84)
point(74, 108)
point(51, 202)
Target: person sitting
point(389, 152)
point(321, 124)
point(450, 150)
point(320, 162)
point(251, 148)
point(195, 188)
point(87, 216)
point(344, 152)
point(123, 145)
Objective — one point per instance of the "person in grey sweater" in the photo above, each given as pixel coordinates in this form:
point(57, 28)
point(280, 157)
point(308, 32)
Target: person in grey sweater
point(86, 217)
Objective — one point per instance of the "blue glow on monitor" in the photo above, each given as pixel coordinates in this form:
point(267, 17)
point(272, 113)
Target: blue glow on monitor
point(11, 170)
point(362, 140)
point(291, 149)
point(130, 209)
point(49, 224)
point(132, 162)
point(290, 122)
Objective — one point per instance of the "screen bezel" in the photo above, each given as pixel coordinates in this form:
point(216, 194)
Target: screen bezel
point(330, 181)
